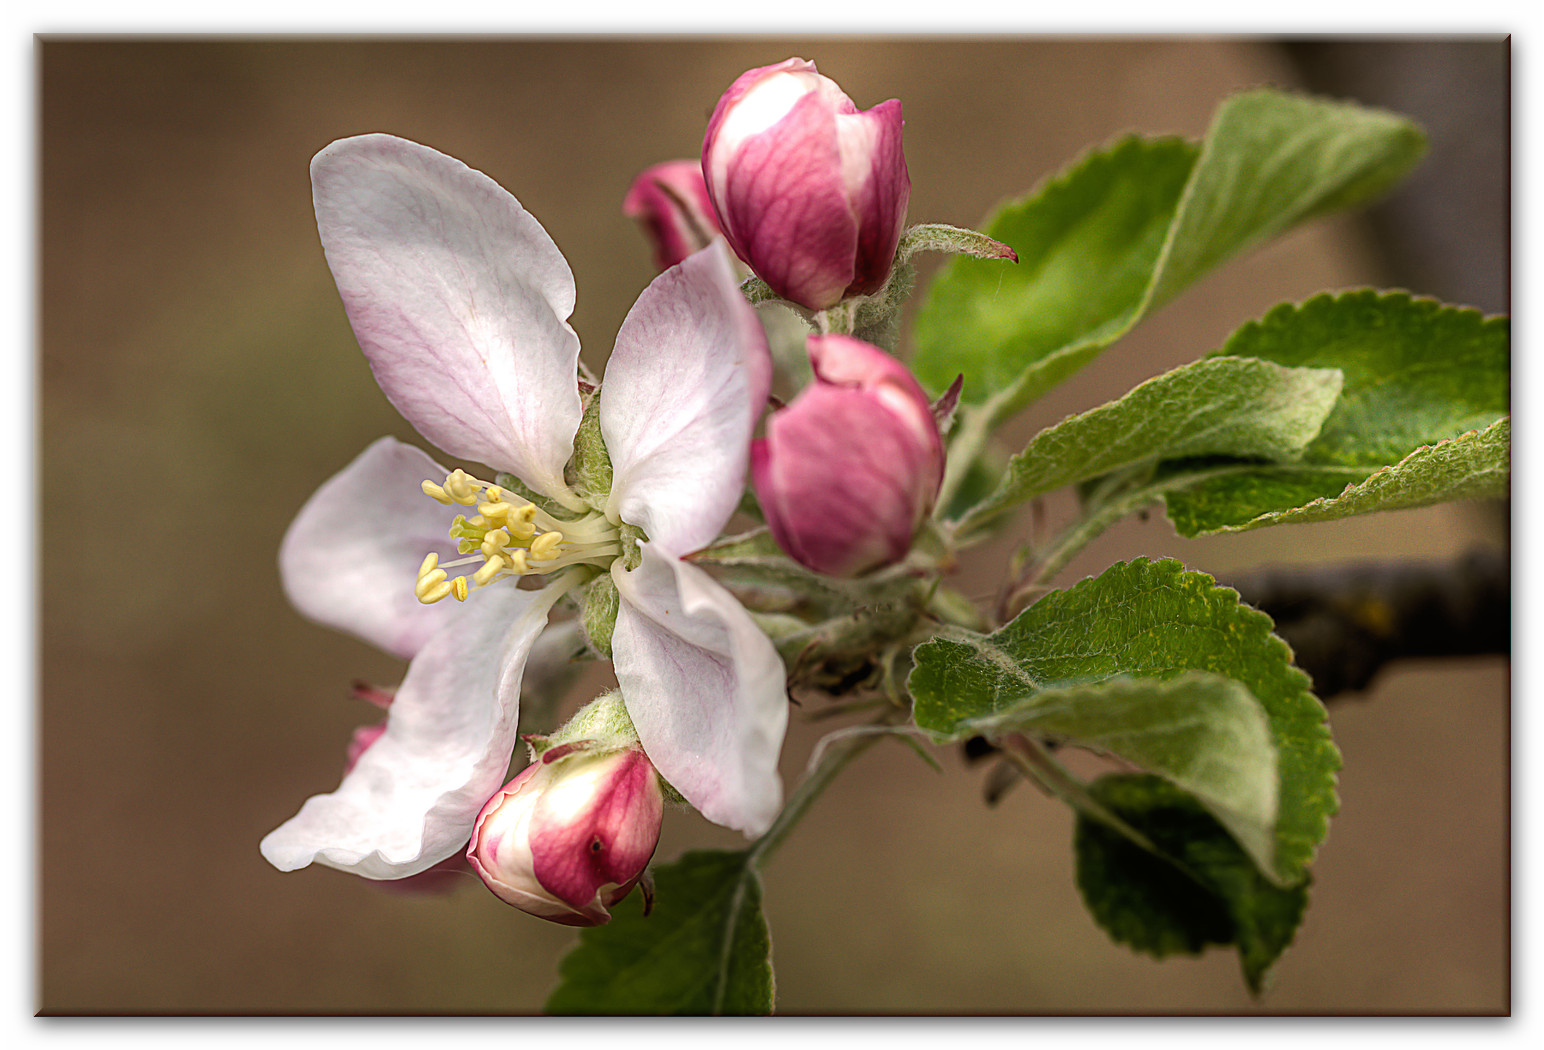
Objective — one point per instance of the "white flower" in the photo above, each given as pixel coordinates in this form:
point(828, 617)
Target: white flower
point(460, 302)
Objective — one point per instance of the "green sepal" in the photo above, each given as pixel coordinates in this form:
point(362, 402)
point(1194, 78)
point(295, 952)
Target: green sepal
point(601, 603)
point(603, 721)
point(591, 465)
point(938, 237)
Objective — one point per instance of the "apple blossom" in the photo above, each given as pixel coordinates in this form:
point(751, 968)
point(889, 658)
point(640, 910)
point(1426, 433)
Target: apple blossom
point(852, 466)
point(810, 192)
point(459, 300)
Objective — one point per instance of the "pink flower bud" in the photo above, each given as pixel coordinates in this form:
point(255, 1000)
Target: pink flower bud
point(670, 201)
point(571, 835)
point(852, 466)
point(810, 192)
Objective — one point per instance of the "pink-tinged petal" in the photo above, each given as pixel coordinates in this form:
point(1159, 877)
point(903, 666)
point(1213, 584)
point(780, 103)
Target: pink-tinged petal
point(598, 829)
point(849, 470)
point(874, 169)
point(786, 205)
point(570, 835)
point(704, 688)
point(810, 192)
point(351, 556)
point(682, 392)
point(836, 478)
point(843, 361)
point(411, 799)
point(670, 201)
point(459, 299)
point(363, 737)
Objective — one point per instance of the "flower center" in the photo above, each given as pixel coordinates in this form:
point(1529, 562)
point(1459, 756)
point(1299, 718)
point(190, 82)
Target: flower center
point(508, 539)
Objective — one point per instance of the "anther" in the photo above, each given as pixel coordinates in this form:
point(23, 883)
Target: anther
point(428, 582)
point(517, 560)
point(458, 588)
point(497, 513)
point(437, 593)
point(434, 492)
point(494, 542)
point(462, 487)
point(543, 545)
point(485, 574)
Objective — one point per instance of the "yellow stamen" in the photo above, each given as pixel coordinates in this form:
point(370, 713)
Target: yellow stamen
point(543, 545)
point(494, 542)
point(489, 570)
point(509, 537)
point(462, 487)
point(438, 593)
point(428, 582)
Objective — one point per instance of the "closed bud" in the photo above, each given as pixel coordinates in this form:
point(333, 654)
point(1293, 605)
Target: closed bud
point(849, 469)
point(670, 201)
point(810, 192)
point(571, 835)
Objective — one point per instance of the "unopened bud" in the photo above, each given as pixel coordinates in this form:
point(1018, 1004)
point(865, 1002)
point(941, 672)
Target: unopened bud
point(852, 466)
point(670, 201)
point(810, 192)
point(571, 835)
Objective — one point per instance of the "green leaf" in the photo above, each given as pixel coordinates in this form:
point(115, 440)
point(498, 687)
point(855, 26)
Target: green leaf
point(704, 949)
point(1087, 241)
point(1235, 406)
point(1204, 733)
point(1417, 373)
point(1271, 160)
point(1143, 619)
point(1207, 893)
point(1127, 228)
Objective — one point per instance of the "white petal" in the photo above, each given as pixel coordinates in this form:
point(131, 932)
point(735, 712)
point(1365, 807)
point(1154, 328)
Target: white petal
point(411, 799)
point(351, 556)
point(704, 687)
point(459, 300)
point(682, 393)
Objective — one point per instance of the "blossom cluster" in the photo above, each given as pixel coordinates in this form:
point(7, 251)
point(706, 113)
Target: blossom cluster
point(597, 494)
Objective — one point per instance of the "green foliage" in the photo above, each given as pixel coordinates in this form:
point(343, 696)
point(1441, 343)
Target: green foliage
point(1143, 619)
point(1128, 227)
point(1203, 890)
point(704, 949)
point(1088, 242)
point(1233, 406)
point(1204, 733)
point(1417, 373)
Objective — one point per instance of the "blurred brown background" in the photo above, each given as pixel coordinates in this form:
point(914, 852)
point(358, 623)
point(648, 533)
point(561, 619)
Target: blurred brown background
point(196, 363)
